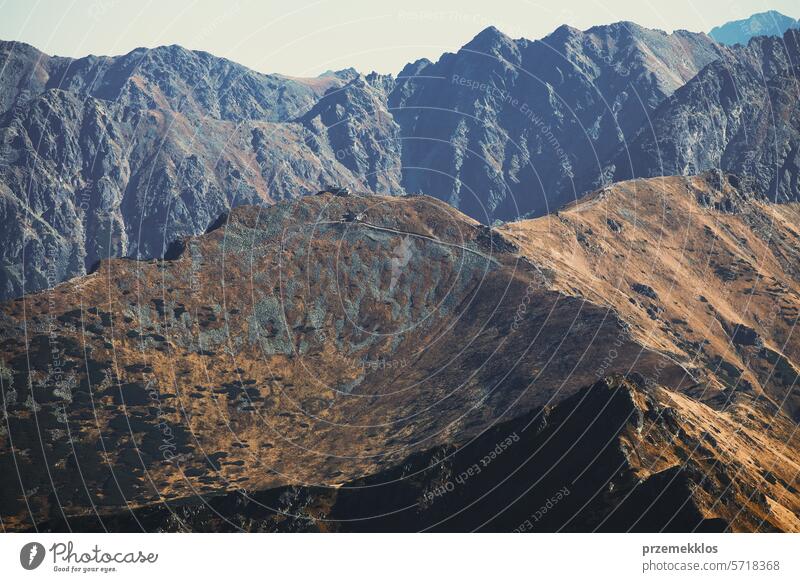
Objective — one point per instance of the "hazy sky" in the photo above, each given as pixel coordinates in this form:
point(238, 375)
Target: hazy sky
point(306, 37)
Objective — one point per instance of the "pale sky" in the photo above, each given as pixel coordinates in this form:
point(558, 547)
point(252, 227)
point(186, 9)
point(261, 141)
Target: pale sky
point(307, 37)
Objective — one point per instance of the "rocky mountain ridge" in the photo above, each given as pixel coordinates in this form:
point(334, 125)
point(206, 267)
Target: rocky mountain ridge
point(505, 128)
point(739, 114)
point(120, 156)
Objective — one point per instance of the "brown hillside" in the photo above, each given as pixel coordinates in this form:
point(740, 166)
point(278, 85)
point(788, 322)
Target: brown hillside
point(321, 341)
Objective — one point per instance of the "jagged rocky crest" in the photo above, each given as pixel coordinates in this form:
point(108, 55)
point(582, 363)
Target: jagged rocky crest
point(739, 114)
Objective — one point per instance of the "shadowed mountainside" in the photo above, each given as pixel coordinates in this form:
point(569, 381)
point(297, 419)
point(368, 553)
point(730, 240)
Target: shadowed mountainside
point(617, 456)
point(505, 127)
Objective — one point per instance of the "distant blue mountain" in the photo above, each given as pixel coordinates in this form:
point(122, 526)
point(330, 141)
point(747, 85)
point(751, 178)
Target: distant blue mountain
point(771, 23)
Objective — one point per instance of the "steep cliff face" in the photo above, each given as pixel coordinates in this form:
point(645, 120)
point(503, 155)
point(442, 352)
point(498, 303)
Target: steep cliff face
point(85, 179)
point(352, 125)
point(739, 114)
point(105, 157)
point(509, 127)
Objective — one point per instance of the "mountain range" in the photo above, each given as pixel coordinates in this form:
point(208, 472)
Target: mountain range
point(545, 285)
point(119, 156)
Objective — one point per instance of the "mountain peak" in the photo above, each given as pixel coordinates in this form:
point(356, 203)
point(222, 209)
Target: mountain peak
point(770, 23)
point(411, 69)
point(564, 31)
point(344, 74)
point(487, 39)
point(619, 25)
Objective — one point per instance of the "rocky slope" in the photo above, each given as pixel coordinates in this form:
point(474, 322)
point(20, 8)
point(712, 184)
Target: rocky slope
point(617, 456)
point(738, 114)
point(509, 127)
point(118, 156)
point(103, 157)
point(353, 126)
point(332, 343)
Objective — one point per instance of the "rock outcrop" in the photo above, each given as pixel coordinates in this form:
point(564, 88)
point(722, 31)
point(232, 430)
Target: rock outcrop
point(738, 115)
